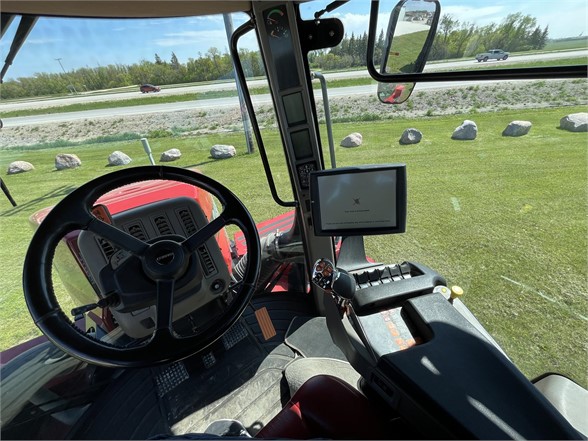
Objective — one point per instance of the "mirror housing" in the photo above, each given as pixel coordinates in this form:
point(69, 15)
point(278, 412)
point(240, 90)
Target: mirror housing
point(409, 38)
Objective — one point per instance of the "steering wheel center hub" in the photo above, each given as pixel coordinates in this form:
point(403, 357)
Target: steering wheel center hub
point(165, 259)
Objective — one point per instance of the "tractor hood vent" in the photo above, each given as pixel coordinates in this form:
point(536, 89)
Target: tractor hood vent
point(162, 224)
point(187, 220)
point(206, 260)
point(137, 231)
point(107, 249)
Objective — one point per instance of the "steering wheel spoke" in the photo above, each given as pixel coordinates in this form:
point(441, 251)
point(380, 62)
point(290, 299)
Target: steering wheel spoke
point(165, 304)
point(117, 237)
point(192, 243)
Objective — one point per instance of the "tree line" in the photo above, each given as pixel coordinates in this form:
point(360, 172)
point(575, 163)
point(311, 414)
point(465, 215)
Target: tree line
point(454, 39)
point(516, 33)
point(213, 65)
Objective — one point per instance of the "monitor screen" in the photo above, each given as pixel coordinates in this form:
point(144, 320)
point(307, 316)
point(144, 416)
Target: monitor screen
point(361, 200)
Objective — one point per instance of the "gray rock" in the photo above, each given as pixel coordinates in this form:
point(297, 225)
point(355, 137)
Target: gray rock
point(118, 158)
point(221, 151)
point(170, 155)
point(411, 136)
point(19, 167)
point(352, 140)
point(467, 131)
point(517, 128)
point(575, 122)
point(67, 160)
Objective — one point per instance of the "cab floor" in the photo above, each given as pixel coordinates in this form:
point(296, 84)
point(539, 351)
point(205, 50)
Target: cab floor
point(239, 378)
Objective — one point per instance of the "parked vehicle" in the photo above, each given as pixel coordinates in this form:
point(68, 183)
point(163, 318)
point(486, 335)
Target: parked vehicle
point(146, 88)
point(270, 294)
point(492, 54)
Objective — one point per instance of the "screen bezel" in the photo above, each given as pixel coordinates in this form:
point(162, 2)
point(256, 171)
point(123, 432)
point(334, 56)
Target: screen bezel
point(401, 201)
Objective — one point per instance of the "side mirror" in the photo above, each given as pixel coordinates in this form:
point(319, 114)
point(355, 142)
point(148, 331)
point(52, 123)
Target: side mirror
point(408, 40)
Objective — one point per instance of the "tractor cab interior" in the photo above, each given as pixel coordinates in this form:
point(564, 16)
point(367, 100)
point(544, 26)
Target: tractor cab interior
point(167, 305)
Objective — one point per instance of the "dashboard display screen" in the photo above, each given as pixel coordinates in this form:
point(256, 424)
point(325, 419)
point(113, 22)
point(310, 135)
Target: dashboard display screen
point(359, 200)
point(301, 144)
point(294, 107)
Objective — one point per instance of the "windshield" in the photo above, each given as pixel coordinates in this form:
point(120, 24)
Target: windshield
point(497, 180)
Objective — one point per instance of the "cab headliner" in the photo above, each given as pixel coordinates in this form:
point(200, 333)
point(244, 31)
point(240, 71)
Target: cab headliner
point(123, 8)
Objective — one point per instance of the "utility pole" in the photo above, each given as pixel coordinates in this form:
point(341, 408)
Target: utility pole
point(65, 73)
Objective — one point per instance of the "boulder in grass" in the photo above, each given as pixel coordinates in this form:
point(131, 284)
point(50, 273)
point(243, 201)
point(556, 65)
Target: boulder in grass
point(65, 161)
point(517, 128)
point(221, 151)
point(352, 140)
point(118, 158)
point(575, 122)
point(467, 131)
point(170, 155)
point(19, 167)
point(411, 136)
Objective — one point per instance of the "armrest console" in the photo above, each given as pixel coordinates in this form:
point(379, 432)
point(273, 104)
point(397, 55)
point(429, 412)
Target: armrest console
point(458, 381)
point(392, 284)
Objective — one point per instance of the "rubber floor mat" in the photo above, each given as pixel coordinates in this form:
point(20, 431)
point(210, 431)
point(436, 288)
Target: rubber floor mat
point(309, 336)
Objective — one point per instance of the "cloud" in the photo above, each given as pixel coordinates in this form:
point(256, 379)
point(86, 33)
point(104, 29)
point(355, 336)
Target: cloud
point(359, 23)
point(37, 41)
point(196, 38)
point(476, 15)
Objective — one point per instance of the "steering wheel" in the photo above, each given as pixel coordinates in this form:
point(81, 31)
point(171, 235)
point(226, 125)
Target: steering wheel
point(74, 213)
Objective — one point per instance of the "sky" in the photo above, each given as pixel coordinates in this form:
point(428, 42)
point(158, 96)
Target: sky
point(80, 43)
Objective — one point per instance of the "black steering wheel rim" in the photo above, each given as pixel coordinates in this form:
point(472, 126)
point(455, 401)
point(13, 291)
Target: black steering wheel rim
point(73, 213)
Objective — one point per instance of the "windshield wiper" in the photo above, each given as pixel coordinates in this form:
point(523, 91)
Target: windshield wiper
point(330, 7)
point(24, 28)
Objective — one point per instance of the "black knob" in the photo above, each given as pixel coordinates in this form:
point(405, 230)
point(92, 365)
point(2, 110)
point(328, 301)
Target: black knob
point(333, 280)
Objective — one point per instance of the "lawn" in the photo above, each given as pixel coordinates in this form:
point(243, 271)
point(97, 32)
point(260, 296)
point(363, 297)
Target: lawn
point(505, 218)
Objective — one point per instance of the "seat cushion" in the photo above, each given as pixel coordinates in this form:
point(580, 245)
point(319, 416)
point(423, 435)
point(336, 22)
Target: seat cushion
point(568, 397)
point(327, 407)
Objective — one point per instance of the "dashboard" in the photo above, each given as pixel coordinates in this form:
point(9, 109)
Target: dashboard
point(111, 270)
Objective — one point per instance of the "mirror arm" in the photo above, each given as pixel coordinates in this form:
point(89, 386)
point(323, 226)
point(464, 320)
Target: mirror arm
point(375, 6)
point(555, 72)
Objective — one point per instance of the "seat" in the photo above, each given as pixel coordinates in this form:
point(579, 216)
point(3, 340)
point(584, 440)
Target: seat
point(324, 407)
point(328, 407)
point(569, 398)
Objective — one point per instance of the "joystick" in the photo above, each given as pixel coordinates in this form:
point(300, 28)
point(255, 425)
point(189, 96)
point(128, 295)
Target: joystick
point(333, 280)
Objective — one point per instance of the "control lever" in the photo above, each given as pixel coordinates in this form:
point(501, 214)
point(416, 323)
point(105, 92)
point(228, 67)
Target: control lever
point(333, 280)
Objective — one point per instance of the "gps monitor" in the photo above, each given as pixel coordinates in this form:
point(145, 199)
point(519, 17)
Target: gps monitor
point(362, 200)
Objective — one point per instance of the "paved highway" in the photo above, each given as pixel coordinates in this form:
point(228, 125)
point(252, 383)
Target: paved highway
point(228, 101)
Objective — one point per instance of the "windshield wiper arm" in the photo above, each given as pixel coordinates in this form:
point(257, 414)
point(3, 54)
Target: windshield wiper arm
point(24, 28)
point(330, 7)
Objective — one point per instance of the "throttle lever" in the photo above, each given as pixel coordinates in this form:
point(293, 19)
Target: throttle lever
point(333, 280)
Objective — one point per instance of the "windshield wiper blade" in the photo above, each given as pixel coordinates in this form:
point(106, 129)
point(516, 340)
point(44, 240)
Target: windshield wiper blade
point(24, 28)
point(330, 7)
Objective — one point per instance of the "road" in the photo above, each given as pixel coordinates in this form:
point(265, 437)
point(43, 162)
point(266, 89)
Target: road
point(227, 101)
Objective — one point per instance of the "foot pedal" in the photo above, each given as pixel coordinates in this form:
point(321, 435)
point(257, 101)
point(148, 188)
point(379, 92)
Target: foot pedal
point(209, 360)
point(234, 336)
point(171, 377)
point(265, 323)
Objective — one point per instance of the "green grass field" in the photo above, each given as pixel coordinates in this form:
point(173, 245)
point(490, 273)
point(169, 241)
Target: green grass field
point(567, 44)
point(505, 218)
